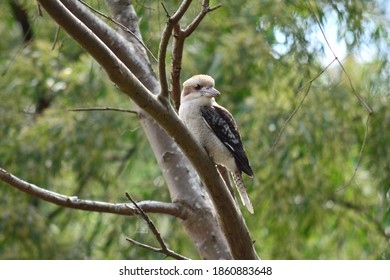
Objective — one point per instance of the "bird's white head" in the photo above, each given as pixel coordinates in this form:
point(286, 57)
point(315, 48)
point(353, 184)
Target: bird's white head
point(199, 88)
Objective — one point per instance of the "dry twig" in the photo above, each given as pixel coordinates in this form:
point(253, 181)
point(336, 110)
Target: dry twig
point(103, 109)
point(164, 248)
point(357, 95)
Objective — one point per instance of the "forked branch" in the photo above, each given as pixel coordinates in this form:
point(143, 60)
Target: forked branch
point(173, 28)
point(179, 37)
point(164, 248)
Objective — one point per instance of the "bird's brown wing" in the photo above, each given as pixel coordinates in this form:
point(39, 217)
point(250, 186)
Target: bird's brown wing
point(222, 123)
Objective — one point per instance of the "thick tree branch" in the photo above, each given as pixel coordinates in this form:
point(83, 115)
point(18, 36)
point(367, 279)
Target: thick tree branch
point(177, 58)
point(74, 202)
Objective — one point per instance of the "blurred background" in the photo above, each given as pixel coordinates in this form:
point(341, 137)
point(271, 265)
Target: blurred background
point(309, 201)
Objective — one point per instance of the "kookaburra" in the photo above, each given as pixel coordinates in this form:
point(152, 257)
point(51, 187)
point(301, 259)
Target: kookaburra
point(215, 128)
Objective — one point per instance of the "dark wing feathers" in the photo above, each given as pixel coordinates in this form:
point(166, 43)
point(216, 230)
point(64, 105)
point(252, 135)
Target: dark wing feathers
point(222, 123)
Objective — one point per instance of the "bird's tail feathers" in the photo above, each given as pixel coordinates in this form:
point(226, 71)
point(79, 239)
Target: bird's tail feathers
point(242, 191)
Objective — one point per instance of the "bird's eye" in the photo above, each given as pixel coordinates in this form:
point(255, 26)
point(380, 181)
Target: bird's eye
point(198, 87)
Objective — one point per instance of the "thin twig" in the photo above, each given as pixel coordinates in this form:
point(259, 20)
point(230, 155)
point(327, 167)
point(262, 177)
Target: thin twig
point(360, 156)
point(362, 101)
point(195, 23)
point(56, 35)
point(145, 246)
point(315, 77)
point(164, 248)
point(124, 28)
point(308, 85)
point(357, 95)
point(149, 223)
point(39, 10)
point(165, 9)
point(103, 109)
point(291, 116)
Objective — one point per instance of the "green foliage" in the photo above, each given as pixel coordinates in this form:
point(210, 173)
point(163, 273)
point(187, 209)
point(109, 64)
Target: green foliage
point(261, 54)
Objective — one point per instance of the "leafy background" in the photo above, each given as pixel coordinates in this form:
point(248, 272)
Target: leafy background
point(261, 54)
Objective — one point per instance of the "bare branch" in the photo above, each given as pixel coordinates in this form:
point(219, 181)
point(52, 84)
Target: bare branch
point(293, 114)
point(103, 109)
point(308, 86)
point(361, 100)
point(74, 202)
point(357, 95)
point(178, 46)
point(162, 52)
point(58, 29)
point(165, 9)
point(195, 23)
point(164, 248)
point(360, 156)
point(315, 77)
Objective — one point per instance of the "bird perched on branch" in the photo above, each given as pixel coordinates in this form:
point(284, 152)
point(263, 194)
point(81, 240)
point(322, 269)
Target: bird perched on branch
point(215, 128)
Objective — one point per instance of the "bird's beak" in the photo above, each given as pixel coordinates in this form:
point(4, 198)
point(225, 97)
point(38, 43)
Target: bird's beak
point(210, 92)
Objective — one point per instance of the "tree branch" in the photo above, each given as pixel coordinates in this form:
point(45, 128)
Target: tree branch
point(361, 100)
point(195, 23)
point(103, 109)
point(162, 52)
point(179, 37)
point(291, 116)
point(164, 248)
point(74, 202)
point(357, 95)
